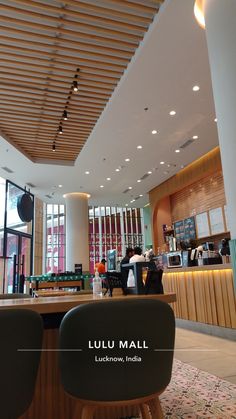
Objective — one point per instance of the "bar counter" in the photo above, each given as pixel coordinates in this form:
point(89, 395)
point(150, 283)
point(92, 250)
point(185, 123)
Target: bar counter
point(50, 401)
point(204, 293)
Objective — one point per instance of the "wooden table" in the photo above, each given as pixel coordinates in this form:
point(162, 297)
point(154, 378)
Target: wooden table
point(50, 401)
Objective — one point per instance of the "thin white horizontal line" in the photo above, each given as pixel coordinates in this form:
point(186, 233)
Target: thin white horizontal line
point(187, 350)
point(49, 350)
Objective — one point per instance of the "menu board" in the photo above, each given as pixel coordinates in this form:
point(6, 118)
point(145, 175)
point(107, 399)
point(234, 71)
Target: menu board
point(189, 229)
point(185, 229)
point(203, 229)
point(216, 221)
point(179, 230)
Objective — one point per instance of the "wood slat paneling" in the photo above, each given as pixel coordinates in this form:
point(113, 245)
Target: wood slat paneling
point(42, 44)
point(208, 295)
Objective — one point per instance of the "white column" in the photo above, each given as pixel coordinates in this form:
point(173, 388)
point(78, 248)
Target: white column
point(220, 21)
point(77, 229)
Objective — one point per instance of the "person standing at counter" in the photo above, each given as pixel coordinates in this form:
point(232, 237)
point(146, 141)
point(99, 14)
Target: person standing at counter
point(137, 257)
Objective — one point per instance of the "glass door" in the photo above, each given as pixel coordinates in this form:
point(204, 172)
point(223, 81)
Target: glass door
point(18, 262)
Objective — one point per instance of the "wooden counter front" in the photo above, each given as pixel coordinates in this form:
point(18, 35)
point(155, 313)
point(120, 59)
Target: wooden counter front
point(50, 401)
point(205, 294)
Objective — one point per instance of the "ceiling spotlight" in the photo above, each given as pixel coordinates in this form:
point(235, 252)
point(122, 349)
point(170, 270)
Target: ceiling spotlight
point(127, 159)
point(54, 147)
point(162, 162)
point(59, 186)
point(87, 172)
point(196, 88)
point(130, 187)
point(150, 172)
point(101, 186)
point(126, 205)
point(75, 86)
point(139, 180)
point(139, 147)
point(154, 131)
point(60, 129)
point(140, 196)
point(172, 113)
point(177, 150)
point(65, 115)
point(215, 119)
point(117, 170)
point(108, 178)
point(195, 137)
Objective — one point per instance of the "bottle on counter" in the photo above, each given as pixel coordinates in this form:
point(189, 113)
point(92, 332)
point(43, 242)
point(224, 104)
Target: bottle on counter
point(97, 285)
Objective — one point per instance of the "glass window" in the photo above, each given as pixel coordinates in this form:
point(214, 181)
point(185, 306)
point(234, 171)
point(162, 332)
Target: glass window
point(2, 212)
point(55, 238)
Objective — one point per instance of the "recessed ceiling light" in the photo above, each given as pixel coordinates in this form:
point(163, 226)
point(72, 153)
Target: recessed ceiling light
point(101, 186)
point(59, 186)
point(88, 195)
point(126, 205)
point(139, 147)
point(150, 172)
point(168, 165)
point(140, 196)
point(177, 150)
point(139, 180)
point(87, 172)
point(131, 201)
point(130, 187)
point(172, 113)
point(196, 88)
point(154, 131)
point(195, 137)
point(108, 178)
point(215, 119)
point(127, 159)
point(117, 170)
point(162, 162)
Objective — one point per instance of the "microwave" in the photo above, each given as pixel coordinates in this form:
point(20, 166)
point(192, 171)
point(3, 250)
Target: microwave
point(174, 260)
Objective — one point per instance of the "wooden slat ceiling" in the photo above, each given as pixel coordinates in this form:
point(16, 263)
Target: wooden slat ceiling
point(45, 45)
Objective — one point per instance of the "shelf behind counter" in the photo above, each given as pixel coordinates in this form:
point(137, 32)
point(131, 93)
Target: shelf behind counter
point(204, 293)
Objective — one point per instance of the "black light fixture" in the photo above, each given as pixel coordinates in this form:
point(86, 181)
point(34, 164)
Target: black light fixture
point(54, 147)
point(60, 129)
point(75, 86)
point(65, 115)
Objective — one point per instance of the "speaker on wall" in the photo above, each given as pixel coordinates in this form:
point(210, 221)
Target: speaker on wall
point(25, 207)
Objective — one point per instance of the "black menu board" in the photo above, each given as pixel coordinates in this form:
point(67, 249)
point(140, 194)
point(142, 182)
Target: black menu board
point(185, 229)
point(189, 229)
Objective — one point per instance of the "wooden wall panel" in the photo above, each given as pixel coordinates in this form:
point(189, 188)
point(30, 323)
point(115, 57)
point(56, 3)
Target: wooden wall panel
point(198, 197)
point(203, 296)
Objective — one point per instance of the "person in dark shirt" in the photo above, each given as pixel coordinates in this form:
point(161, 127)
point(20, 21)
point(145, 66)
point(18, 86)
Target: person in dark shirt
point(128, 255)
point(125, 272)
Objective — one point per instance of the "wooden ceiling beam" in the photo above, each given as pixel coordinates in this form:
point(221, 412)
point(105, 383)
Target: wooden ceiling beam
point(64, 59)
point(66, 78)
point(119, 33)
point(143, 6)
point(134, 25)
point(127, 44)
point(87, 53)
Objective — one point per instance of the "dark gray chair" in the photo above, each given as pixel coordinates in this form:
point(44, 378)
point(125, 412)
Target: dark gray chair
point(15, 295)
point(111, 375)
point(21, 333)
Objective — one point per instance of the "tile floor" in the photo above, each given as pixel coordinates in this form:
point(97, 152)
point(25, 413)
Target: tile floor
point(209, 353)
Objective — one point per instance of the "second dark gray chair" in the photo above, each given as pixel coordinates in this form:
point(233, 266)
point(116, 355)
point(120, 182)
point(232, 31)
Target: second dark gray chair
point(21, 333)
point(118, 353)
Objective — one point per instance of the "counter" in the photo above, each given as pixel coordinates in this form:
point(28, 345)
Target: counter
point(204, 293)
point(50, 401)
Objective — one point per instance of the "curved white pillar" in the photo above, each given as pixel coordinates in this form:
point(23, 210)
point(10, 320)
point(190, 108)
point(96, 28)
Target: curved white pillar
point(77, 230)
point(220, 18)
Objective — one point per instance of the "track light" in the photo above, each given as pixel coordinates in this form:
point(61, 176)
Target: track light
point(54, 147)
point(75, 86)
point(65, 115)
point(60, 129)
